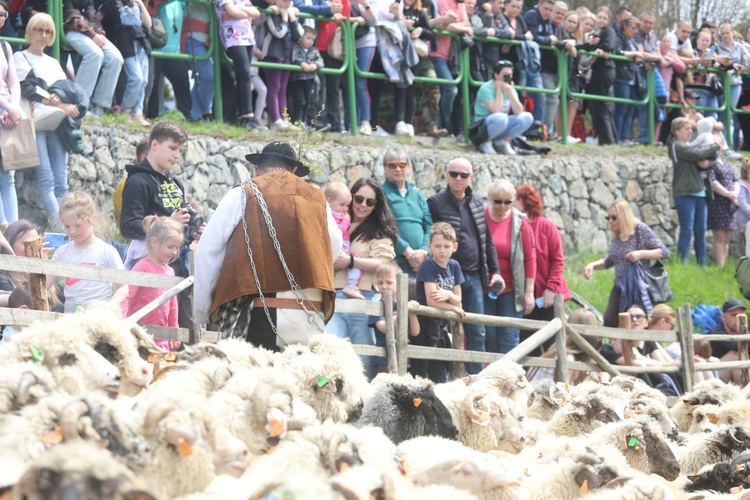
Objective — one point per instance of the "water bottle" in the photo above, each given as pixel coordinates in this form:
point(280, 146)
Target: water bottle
point(495, 290)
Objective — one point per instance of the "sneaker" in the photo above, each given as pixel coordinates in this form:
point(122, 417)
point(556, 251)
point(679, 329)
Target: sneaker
point(573, 140)
point(279, 125)
point(96, 110)
point(251, 125)
point(411, 129)
point(365, 128)
point(138, 117)
point(323, 128)
point(487, 148)
point(437, 132)
point(401, 129)
point(506, 148)
point(380, 132)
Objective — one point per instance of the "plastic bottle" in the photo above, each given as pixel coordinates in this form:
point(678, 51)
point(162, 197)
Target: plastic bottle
point(495, 290)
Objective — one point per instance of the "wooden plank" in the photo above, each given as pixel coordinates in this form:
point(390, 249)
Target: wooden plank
point(561, 367)
point(37, 282)
point(167, 333)
point(442, 354)
point(742, 348)
point(457, 329)
point(635, 370)
point(623, 321)
point(600, 360)
point(55, 268)
point(359, 306)
point(25, 317)
point(479, 319)
point(687, 347)
point(402, 311)
point(390, 333)
point(196, 330)
point(617, 333)
point(722, 365)
point(722, 338)
point(162, 299)
point(369, 350)
point(534, 341)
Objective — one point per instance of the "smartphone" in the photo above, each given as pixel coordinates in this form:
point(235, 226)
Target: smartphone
point(55, 240)
point(508, 78)
point(41, 92)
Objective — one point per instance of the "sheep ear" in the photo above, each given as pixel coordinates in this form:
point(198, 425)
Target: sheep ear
point(695, 478)
point(276, 423)
point(713, 418)
point(465, 469)
point(325, 385)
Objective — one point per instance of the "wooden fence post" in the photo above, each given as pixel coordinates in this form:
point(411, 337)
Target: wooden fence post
point(561, 365)
point(37, 282)
point(390, 333)
point(402, 311)
point(589, 349)
point(196, 330)
point(688, 348)
point(457, 329)
point(623, 321)
point(742, 348)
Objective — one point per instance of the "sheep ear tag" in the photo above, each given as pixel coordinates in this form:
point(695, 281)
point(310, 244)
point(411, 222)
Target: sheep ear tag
point(185, 449)
point(324, 384)
point(634, 443)
point(276, 423)
point(584, 489)
point(54, 437)
point(417, 402)
point(35, 354)
point(482, 418)
point(714, 419)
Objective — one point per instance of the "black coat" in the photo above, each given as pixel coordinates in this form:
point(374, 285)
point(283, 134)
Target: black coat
point(624, 71)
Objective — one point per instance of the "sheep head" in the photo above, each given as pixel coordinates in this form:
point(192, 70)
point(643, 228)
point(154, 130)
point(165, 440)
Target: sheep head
point(596, 410)
point(658, 413)
point(23, 384)
point(591, 471)
point(421, 405)
point(640, 438)
point(731, 439)
point(473, 475)
point(486, 408)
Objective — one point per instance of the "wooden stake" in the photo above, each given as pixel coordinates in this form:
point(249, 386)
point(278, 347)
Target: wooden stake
point(457, 329)
point(37, 282)
point(390, 332)
point(687, 346)
point(561, 367)
point(402, 311)
point(623, 321)
point(742, 347)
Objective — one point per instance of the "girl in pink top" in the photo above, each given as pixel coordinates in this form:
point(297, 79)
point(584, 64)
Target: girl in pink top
point(164, 238)
point(674, 63)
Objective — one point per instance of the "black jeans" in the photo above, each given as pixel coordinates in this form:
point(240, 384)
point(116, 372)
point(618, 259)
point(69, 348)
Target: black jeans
point(612, 313)
point(303, 96)
point(333, 84)
point(242, 56)
point(405, 104)
point(744, 120)
point(177, 73)
point(601, 111)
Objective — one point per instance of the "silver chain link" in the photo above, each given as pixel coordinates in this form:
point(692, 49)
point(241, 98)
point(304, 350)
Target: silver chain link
point(301, 299)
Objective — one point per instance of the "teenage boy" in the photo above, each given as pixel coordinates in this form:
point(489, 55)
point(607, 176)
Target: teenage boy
point(150, 188)
point(438, 285)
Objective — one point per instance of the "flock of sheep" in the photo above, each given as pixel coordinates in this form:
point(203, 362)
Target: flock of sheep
point(91, 408)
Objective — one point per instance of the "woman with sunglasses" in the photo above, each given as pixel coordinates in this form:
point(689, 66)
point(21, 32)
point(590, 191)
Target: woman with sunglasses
point(10, 116)
point(632, 241)
point(373, 237)
point(513, 240)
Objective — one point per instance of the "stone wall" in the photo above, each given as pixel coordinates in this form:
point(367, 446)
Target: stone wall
point(577, 183)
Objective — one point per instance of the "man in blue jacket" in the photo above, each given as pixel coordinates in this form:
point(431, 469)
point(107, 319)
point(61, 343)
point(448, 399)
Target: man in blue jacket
point(538, 22)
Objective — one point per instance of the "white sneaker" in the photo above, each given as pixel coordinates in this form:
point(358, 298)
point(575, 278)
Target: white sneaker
point(573, 140)
point(487, 148)
point(401, 128)
point(380, 132)
point(279, 124)
point(592, 141)
point(411, 129)
point(365, 128)
point(506, 148)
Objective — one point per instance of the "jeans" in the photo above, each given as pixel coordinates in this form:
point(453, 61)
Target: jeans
point(242, 56)
point(624, 113)
point(472, 291)
point(642, 112)
point(106, 58)
point(9, 205)
point(333, 85)
point(692, 214)
point(502, 339)
point(136, 69)
point(202, 93)
point(551, 102)
point(354, 327)
point(364, 60)
point(708, 99)
point(540, 101)
point(500, 125)
point(448, 93)
point(736, 93)
point(52, 172)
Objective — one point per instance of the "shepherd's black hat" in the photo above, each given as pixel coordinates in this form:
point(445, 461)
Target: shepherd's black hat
point(278, 152)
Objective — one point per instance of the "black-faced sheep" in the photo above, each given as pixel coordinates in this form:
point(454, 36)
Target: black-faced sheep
point(705, 449)
point(406, 408)
point(722, 477)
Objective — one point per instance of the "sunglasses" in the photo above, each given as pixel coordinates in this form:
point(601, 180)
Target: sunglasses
point(359, 200)
point(610, 217)
point(463, 175)
point(637, 317)
point(42, 31)
point(3, 13)
point(502, 202)
point(396, 165)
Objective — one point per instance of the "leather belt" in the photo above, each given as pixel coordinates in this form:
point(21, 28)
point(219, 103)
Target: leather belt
point(276, 303)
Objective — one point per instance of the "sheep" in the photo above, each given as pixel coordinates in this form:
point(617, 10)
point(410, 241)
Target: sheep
point(722, 477)
point(703, 419)
point(242, 352)
point(585, 414)
point(657, 411)
point(23, 384)
point(704, 449)
point(713, 392)
point(546, 399)
point(407, 408)
point(637, 388)
point(78, 470)
point(505, 377)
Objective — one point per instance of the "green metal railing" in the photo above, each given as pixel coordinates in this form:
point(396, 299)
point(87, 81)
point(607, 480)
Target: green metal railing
point(464, 78)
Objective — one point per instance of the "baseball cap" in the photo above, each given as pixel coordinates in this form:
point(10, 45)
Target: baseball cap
point(689, 94)
point(732, 304)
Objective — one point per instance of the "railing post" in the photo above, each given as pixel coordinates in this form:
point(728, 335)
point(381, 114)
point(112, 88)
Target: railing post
point(218, 49)
point(54, 8)
point(350, 90)
point(37, 282)
point(402, 311)
point(561, 365)
point(728, 104)
point(457, 329)
point(742, 348)
point(688, 348)
point(562, 77)
point(651, 86)
point(623, 321)
point(465, 71)
point(390, 334)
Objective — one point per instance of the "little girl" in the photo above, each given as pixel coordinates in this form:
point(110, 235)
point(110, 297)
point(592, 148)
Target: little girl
point(78, 217)
point(164, 238)
point(281, 33)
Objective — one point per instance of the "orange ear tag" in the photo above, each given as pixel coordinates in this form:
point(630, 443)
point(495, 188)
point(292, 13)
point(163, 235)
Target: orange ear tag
point(54, 437)
point(185, 449)
point(417, 402)
point(584, 489)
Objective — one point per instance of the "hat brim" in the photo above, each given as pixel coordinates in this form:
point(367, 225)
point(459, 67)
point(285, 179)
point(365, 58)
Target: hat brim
point(734, 308)
point(261, 158)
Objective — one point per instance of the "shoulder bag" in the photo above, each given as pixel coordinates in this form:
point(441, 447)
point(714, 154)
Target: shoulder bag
point(46, 118)
point(336, 45)
point(656, 278)
point(18, 144)
point(157, 35)
point(478, 132)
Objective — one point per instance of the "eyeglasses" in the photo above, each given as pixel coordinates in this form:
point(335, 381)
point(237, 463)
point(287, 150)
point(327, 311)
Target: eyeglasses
point(395, 165)
point(3, 13)
point(502, 202)
point(671, 324)
point(610, 217)
point(359, 200)
point(463, 175)
point(637, 317)
point(42, 31)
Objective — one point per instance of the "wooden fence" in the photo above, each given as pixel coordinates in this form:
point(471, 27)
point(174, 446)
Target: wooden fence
point(398, 350)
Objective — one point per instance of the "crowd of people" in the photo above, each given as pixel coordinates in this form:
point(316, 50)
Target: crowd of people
point(112, 41)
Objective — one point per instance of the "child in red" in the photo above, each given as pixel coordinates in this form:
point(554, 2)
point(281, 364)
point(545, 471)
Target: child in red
point(163, 238)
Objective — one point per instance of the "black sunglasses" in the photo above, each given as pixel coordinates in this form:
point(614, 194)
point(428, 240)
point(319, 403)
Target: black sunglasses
point(637, 317)
point(610, 217)
point(359, 199)
point(502, 202)
point(463, 175)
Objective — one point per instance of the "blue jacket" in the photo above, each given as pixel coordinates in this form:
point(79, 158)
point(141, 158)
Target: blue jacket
point(542, 31)
point(316, 7)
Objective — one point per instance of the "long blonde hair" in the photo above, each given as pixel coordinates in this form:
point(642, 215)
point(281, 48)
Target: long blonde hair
point(627, 220)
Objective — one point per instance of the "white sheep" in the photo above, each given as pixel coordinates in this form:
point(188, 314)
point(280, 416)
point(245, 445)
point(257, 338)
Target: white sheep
point(712, 392)
point(507, 378)
point(23, 384)
point(547, 398)
point(585, 414)
point(657, 411)
point(637, 388)
point(703, 419)
point(700, 450)
point(244, 353)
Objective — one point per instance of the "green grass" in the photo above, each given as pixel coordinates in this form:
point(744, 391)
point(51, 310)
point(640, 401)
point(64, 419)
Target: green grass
point(692, 284)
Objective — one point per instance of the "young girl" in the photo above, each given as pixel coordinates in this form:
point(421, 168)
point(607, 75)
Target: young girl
point(78, 217)
point(281, 33)
point(164, 238)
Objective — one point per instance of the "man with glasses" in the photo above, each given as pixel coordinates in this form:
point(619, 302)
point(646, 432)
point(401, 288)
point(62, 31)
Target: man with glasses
point(725, 350)
point(410, 210)
point(459, 206)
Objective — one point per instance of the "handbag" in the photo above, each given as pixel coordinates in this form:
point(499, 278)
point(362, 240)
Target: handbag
point(157, 35)
point(478, 132)
point(640, 83)
point(717, 85)
point(423, 50)
point(18, 145)
point(656, 278)
point(336, 45)
point(46, 118)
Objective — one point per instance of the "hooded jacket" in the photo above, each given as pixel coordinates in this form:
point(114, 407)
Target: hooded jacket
point(687, 180)
point(147, 192)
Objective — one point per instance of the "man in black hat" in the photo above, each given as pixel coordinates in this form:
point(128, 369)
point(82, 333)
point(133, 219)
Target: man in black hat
point(725, 350)
point(262, 270)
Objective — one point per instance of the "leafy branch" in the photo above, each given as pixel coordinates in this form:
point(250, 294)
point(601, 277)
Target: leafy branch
point(306, 142)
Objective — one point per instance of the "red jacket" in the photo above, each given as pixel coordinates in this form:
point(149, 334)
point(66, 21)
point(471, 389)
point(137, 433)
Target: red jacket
point(326, 28)
point(550, 261)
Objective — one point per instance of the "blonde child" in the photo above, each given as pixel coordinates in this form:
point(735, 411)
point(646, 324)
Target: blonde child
point(339, 198)
point(78, 217)
point(385, 280)
point(164, 237)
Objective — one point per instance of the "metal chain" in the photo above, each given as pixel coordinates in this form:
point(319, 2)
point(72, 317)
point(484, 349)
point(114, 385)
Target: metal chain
point(302, 300)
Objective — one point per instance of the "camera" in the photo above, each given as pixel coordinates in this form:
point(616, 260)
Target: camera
point(194, 224)
point(508, 79)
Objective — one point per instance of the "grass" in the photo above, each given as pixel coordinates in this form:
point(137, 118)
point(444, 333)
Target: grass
point(692, 284)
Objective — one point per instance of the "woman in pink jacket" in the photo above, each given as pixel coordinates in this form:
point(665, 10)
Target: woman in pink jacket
point(10, 116)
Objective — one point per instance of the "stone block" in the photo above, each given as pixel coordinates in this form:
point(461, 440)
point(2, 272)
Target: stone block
point(601, 194)
point(609, 172)
point(195, 152)
point(582, 209)
point(555, 183)
point(633, 191)
point(578, 189)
